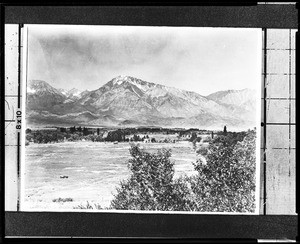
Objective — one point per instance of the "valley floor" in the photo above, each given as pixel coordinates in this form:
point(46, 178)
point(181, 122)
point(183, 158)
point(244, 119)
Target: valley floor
point(61, 176)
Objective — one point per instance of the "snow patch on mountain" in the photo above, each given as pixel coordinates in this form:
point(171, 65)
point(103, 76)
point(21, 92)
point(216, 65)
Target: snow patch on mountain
point(74, 92)
point(63, 91)
point(129, 99)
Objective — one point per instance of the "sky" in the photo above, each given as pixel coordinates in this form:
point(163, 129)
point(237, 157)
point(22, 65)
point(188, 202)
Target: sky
point(203, 60)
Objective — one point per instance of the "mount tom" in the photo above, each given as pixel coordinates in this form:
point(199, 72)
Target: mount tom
point(126, 101)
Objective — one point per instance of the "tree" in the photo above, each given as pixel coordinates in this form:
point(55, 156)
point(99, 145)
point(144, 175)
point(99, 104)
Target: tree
point(72, 129)
point(193, 137)
point(198, 139)
point(99, 138)
point(85, 131)
point(117, 135)
point(225, 130)
point(74, 137)
point(136, 138)
point(151, 185)
point(226, 181)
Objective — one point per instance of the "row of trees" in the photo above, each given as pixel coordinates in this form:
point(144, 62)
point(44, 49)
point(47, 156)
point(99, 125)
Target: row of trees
point(120, 136)
point(79, 133)
point(224, 182)
point(45, 136)
point(50, 136)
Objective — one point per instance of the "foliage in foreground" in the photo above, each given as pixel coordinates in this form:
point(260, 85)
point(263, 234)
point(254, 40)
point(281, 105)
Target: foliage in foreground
point(225, 181)
point(151, 185)
point(88, 206)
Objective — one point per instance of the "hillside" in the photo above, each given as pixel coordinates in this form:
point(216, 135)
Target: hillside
point(127, 101)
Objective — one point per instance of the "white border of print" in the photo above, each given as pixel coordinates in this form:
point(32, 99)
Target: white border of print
point(258, 142)
point(23, 132)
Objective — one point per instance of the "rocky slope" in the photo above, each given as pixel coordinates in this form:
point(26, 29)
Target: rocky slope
point(127, 101)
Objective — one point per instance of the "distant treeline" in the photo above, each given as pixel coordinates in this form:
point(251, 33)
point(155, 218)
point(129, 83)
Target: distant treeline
point(74, 133)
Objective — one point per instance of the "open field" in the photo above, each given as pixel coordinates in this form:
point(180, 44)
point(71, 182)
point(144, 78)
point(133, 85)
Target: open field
point(86, 171)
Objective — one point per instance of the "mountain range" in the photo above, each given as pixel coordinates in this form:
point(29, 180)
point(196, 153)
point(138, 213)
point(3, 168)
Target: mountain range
point(126, 101)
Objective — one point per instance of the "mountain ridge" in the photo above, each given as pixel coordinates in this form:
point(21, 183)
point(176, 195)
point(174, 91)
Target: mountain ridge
point(129, 101)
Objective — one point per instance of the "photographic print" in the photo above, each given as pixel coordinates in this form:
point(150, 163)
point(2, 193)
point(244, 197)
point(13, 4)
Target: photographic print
point(136, 118)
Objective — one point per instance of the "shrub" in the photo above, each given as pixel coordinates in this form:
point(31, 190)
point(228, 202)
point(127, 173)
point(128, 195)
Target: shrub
point(88, 206)
point(227, 181)
point(151, 185)
point(207, 139)
point(99, 138)
point(202, 150)
point(198, 139)
point(29, 137)
point(193, 136)
point(68, 199)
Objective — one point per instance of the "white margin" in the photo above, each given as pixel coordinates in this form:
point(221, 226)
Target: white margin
point(258, 139)
point(24, 54)
point(258, 121)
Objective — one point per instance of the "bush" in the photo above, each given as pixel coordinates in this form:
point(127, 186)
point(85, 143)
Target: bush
point(226, 182)
point(74, 137)
point(151, 185)
point(198, 139)
point(88, 206)
point(202, 150)
point(193, 136)
point(68, 199)
point(207, 139)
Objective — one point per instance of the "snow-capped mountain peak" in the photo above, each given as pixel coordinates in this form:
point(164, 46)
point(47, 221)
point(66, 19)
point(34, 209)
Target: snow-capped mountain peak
point(122, 80)
point(119, 80)
point(128, 101)
point(74, 92)
point(63, 91)
point(39, 86)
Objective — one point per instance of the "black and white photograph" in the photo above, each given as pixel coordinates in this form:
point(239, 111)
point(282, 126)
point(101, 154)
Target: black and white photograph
point(141, 119)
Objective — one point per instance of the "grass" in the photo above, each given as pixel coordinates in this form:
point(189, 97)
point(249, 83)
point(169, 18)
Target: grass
point(89, 206)
point(68, 199)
